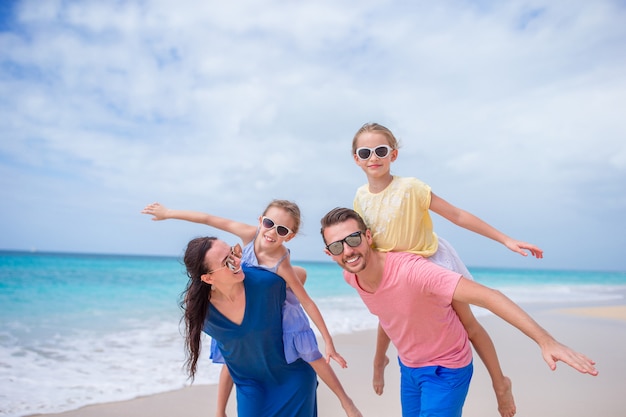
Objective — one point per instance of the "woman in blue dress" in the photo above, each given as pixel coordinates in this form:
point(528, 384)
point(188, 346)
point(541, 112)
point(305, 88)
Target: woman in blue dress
point(264, 246)
point(242, 310)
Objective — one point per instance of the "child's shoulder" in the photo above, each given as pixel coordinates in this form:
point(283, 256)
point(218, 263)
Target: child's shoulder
point(405, 180)
point(404, 183)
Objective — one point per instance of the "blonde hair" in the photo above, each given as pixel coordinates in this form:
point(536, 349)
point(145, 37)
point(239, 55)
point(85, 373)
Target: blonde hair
point(291, 208)
point(375, 127)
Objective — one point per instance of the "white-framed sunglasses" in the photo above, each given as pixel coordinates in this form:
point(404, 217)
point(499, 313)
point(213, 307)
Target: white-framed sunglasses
point(229, 261)
point(281, 230)
point(382, 151)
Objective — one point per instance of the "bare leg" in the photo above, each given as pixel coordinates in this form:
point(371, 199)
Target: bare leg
point(380, 360)
point(224, 388)
point(483, 344)
point(326, 373)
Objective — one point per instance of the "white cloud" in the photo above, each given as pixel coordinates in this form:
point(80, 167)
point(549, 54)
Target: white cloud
point(511, 110)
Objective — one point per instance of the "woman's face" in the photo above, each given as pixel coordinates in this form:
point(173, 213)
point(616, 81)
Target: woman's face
point(223, 263)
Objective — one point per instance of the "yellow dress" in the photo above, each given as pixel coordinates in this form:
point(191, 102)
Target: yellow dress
point(399, 219)
point(399, 216)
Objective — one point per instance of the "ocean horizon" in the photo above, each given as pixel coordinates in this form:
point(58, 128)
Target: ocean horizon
point(82, 328)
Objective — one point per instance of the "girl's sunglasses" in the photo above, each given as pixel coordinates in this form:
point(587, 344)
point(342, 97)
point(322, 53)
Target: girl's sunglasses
point(353, 240)
point(281, 231)
point(381, 151)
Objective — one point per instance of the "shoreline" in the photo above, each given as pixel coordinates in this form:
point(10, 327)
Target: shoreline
point(599, 332)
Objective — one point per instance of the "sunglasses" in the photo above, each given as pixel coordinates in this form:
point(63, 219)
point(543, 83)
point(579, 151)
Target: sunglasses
point(353, 240)
point(281, 231)
point(229, 262)
point(381, 151)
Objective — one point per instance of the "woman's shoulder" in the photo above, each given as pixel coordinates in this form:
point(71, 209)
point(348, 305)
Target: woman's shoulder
point(258, 276)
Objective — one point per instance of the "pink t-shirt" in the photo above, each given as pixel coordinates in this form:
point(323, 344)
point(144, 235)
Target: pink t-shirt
point(413, 305)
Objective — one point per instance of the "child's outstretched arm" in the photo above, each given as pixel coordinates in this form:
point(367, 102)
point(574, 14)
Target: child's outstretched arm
point(471, 292)
point(245, 231)
point(470, 222)
point(286, 271)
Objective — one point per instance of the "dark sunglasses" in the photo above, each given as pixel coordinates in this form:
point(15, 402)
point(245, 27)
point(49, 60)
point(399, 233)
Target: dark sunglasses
point(353, 240)
point(229, 262)
point(381, 151)
point(281, 231)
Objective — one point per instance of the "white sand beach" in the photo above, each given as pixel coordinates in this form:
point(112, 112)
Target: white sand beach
point(599, 332)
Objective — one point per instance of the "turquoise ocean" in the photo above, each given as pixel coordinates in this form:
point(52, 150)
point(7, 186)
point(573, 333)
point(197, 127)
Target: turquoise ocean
point(83, 329)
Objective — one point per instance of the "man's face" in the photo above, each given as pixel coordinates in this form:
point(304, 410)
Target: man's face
point(352, 259)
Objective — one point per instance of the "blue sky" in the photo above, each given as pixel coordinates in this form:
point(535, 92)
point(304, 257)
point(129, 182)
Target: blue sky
point(511, 110)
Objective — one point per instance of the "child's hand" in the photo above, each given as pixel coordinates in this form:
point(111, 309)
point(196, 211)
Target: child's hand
point(519, 247)
point(338, 358)
point(554, 351)
point(378, 381)
point(156, 210)
point(331, 353)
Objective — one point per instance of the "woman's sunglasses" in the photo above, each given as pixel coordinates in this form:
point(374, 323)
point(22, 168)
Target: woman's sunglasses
point(281, 231)
point(381, 151)
point(353, 240)
point(229, 262)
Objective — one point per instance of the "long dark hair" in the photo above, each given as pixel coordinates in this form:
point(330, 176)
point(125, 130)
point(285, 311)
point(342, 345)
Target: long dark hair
point(195, 299)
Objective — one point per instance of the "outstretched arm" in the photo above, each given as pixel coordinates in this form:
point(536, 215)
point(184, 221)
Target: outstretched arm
point(286, 271)
point(245, 232)
point(470, 222)
point(471, 292)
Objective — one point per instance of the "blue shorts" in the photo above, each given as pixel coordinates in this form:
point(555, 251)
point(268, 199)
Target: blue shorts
point(434, 391)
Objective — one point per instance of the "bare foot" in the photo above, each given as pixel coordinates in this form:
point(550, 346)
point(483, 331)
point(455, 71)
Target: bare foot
point(351, 410)
point(504, 395)
point(379, 376)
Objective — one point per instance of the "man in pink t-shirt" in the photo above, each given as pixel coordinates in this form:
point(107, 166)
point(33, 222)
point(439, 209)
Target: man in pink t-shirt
point(414, 300)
